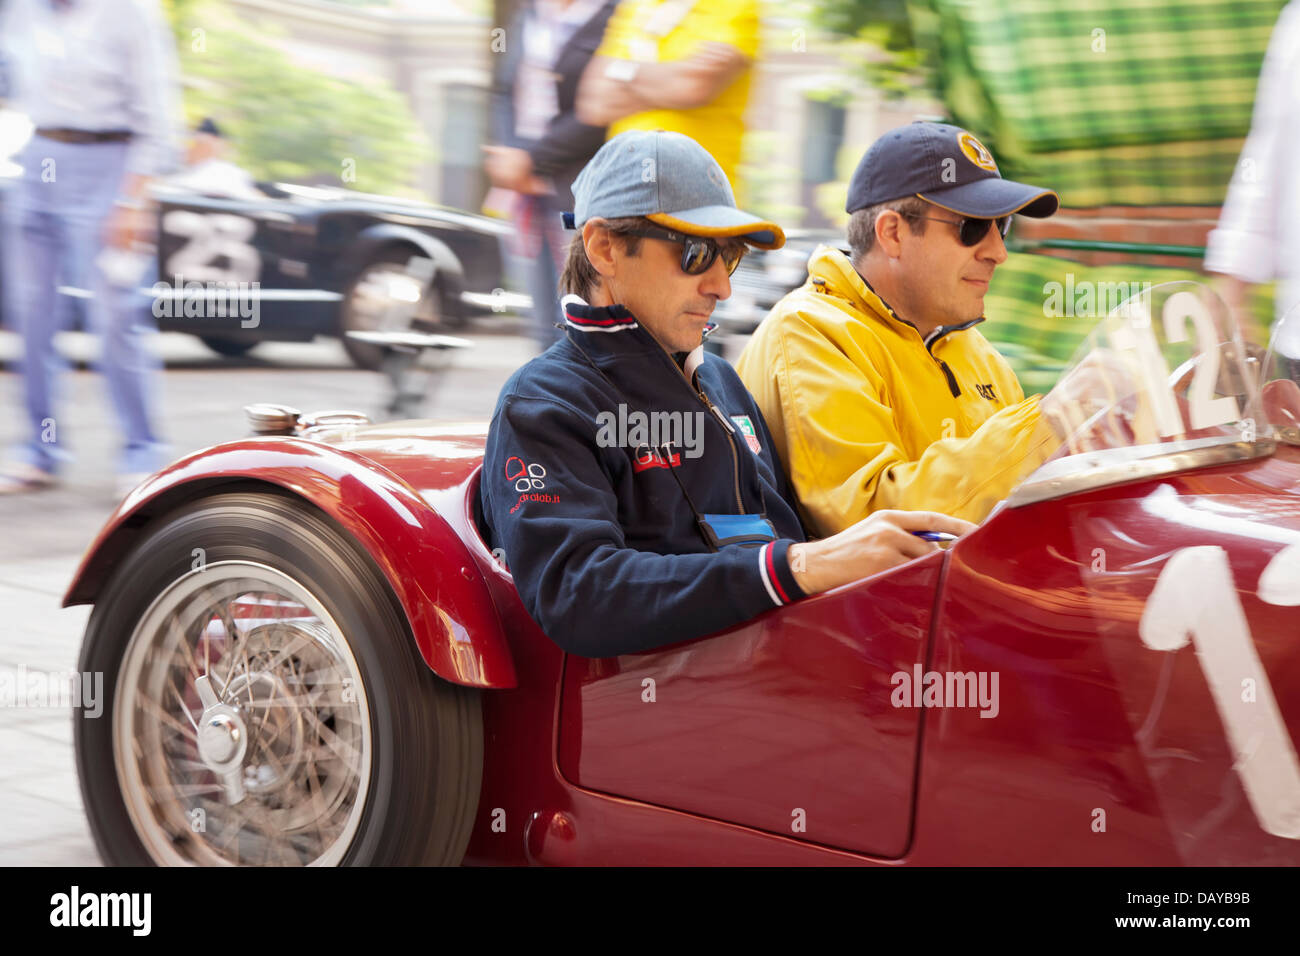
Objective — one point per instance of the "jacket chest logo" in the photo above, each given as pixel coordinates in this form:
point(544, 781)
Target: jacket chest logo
point(646, 457)
point(638, 431)
point(986, 391)
point(746, 427)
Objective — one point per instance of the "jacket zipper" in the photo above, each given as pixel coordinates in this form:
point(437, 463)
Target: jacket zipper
point(699, 394)
point(933, 337)
point(952, 379)
point(929, 341)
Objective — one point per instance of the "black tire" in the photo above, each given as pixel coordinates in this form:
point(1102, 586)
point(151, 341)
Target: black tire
point(230, 348)
point(426, 735)
point(432, 315)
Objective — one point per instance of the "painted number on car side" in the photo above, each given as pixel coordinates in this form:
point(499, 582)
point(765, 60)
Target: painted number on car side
point(218, 248)
point(1195, 598)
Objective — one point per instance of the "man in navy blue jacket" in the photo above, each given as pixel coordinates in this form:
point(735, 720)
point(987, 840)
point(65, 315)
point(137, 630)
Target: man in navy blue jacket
point(629, 477)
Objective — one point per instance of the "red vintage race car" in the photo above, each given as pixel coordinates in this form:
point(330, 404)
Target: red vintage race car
point(311, 656)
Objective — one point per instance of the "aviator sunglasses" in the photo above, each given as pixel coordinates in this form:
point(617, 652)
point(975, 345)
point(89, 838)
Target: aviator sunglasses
point(971, 231)
point(698, 252)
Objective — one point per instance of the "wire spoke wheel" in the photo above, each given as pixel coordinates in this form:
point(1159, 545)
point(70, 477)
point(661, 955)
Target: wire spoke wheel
point(245, 735)
point(385, 297)
point(267, 705)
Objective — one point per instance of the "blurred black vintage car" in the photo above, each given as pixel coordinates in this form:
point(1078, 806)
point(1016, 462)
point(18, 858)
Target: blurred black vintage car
point(307, 261)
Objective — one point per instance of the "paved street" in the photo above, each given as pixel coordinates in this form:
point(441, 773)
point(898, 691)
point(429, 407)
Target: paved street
point(43, 535)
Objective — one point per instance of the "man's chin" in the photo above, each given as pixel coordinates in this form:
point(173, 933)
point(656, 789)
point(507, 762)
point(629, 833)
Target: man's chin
point(699, 321)
point(973, 311)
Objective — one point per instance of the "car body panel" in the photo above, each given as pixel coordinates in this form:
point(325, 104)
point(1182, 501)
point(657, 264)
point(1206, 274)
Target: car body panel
point(1108, 750)
point(795, 710)
point(782, 724)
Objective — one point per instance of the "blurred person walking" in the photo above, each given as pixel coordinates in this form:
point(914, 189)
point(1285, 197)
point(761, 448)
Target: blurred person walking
point(678, 65)
point(541, 144)
point(97, 78)
point(1258, 235)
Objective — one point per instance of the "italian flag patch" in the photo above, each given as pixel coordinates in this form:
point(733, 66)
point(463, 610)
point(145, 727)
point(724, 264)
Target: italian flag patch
point(747, 429)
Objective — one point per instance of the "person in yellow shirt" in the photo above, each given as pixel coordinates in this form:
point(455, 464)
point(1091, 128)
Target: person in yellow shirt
point(879, 390)
point(679, 65)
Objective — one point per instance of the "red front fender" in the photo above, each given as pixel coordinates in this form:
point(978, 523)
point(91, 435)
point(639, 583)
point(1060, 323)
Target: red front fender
point(430, 570)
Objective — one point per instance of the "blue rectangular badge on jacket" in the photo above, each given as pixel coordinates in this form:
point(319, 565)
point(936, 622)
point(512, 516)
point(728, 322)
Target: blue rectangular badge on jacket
point(746, 531)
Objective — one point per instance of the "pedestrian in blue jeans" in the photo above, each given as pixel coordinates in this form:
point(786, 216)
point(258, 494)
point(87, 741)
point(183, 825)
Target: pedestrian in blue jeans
point(97, 78)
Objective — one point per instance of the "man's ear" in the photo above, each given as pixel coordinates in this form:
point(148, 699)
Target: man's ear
point(599, 244)
point(889, 233)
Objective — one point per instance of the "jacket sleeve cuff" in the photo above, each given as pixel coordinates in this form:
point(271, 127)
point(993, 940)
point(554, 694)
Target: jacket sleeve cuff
point(774, 569)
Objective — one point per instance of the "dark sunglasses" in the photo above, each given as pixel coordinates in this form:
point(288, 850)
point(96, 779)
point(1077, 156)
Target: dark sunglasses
point(698, 252)
point(972, 231)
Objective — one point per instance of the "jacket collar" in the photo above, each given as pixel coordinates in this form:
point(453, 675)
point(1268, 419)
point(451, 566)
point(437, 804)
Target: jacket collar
point(613, 330)
point(581, 317)
point(838, 277)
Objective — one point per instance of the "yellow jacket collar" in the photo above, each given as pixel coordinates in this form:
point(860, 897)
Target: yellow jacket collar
point(834, 273)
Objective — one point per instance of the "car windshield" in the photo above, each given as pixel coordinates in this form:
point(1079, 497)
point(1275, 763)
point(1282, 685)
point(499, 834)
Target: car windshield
point(1279, 379)
point(1163, 383)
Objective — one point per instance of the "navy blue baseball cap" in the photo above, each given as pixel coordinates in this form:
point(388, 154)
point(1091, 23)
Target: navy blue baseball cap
point(944, 165)
point(669, 179)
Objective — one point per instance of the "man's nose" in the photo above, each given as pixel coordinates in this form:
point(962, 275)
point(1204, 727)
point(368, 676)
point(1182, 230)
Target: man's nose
point(716, 280)
point(993, 247)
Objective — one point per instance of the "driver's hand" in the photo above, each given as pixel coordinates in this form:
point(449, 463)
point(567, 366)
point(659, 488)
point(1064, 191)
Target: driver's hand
point(876, 543)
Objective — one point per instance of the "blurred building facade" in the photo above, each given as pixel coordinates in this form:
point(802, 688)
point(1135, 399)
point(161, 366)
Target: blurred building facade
point(440, 55)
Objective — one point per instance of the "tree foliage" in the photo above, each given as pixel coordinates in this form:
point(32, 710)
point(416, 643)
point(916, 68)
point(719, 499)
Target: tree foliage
point(887, 25)
point(288, 122)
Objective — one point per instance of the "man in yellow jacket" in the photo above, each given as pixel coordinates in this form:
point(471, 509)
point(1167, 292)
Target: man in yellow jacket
point(879, 390)
point(679, 65)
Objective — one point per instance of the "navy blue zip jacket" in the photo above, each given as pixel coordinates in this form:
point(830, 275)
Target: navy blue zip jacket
point(600, 537)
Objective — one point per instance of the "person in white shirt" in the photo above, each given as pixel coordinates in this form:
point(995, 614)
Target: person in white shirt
point(207, 171)
point(98, 80)
point(1258, 235)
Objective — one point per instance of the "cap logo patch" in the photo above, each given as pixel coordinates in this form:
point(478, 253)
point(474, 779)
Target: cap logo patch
point(976, 152)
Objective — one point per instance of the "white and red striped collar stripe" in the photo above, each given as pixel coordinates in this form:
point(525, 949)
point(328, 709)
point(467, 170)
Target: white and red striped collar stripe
point(583, 317)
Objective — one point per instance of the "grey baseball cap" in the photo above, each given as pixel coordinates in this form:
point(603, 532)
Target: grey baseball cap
point(669, 179)
point(944, 165)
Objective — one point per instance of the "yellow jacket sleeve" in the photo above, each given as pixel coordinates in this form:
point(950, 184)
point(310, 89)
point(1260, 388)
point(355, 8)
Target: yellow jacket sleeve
point(851, 451)
point(735, 24)
point(616, 43)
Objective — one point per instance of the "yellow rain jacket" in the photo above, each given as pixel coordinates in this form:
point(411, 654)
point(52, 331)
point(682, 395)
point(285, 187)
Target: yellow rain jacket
point(866, 415)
